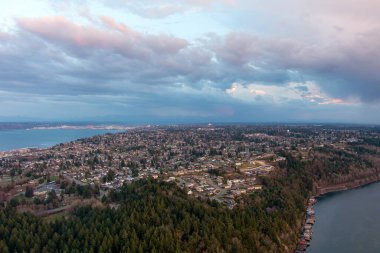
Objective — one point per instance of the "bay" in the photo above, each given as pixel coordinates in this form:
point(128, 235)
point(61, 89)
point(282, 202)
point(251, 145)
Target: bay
point(16, 139)
point(348, 222)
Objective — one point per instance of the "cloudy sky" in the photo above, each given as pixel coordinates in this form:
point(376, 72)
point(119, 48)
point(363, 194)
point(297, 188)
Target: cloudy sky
point(184, 61)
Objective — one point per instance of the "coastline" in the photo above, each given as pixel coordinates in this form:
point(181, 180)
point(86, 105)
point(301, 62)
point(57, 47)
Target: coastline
point(322, 191)
point(23, 140)
point(306, 231)
point(356, 183)
point(18, 151)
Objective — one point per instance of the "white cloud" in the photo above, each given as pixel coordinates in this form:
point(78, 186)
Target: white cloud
point(259, 93)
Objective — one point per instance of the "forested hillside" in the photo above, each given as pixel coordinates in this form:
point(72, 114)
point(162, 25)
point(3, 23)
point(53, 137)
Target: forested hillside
point(159, 217)
point(331, 166)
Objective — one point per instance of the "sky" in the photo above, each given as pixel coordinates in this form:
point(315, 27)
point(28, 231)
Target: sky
point(190, 61)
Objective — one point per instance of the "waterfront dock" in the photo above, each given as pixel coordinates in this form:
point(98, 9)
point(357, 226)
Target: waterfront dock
point(306, 232)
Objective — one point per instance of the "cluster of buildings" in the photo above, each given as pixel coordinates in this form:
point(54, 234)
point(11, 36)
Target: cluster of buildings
point(219, 163)
point(223, 185)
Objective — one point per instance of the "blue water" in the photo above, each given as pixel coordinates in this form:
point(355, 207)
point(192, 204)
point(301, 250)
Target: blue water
point(348, 222)
point(15, 139)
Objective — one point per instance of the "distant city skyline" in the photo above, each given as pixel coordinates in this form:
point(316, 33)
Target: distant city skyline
point(190, 61)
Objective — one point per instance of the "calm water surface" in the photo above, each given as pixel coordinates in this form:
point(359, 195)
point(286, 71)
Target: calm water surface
point(15, 139)
point(348, 222)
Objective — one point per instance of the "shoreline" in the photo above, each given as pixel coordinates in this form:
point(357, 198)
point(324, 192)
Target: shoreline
point(323, 191)
point(18, 151)
point(306, 231)
point(21, 150)
point(357, 183)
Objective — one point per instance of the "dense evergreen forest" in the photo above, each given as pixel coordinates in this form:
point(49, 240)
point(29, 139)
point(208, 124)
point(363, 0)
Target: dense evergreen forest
point(329, 166)
point(159, 217)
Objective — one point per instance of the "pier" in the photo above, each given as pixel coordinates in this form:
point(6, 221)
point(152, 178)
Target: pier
point(306, 232)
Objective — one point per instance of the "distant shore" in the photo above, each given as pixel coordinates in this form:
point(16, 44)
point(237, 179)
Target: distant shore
point(18, 151)
point(23, 140)
point(321, 191)
point(84, 127)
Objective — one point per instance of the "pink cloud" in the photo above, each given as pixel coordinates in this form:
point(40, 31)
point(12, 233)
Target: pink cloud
point(258, 92)
point(116, 37)
point(163, 8)
point(112, 24)
point(208, 2)
point(162, 11)
point(4, 36)
point(236, 48)
point(333, 101)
